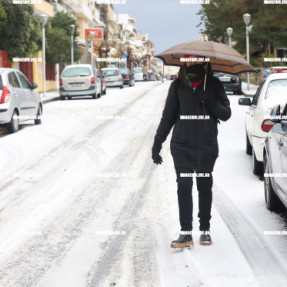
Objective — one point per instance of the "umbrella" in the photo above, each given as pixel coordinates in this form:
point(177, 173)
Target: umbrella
point(222, 57)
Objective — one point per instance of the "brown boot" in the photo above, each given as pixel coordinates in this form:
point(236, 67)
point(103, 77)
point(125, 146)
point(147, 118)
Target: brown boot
point(182, 242)
point(205, 238)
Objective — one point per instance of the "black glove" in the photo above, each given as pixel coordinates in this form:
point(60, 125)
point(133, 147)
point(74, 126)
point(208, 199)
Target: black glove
point(207, 97)
point(156, 148)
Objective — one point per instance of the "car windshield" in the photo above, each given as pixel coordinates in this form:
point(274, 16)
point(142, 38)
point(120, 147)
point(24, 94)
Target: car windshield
point(77, 72)
point(124, 71)
point(137, 70)
point(107, 73)
point(276, 89)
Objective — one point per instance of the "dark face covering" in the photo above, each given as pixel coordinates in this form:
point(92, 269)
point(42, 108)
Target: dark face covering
point(195, 72)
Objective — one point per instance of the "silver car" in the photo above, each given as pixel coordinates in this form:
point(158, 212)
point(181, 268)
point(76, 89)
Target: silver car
point(80, 80)
point(113, 77)
point(19, 101)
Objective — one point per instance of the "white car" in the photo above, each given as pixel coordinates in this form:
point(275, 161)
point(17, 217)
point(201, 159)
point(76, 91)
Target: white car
point(138, 71)
point(113, 77)
point(80, 80)
point(272, 91)
point(19, 101)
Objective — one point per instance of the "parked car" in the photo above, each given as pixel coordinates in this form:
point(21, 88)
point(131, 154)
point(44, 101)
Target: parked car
point(113, 77)
point(266, 73)
point(151, 76)
point(172, 77)
point(78, 81)
point(128, 76)
point(278, 69)
point(275, 161)
point(230, 82)
point(19, 101)
point(138, 71)
point(103, 83)
point(158, 77)
point(272, 91)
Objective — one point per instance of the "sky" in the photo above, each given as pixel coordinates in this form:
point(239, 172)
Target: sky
point(167, 22)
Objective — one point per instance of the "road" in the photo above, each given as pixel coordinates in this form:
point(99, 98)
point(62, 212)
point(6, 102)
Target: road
point(82, 204)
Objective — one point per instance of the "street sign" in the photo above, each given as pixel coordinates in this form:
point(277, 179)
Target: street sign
point(99, 32)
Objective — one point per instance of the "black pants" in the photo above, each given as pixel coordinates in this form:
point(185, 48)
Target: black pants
point(185, 203)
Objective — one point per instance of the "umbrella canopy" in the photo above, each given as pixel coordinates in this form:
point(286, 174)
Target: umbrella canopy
point(221, 57)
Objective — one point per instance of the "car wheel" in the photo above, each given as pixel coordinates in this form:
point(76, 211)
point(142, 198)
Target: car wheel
point(122, 86)
point(38, 119)
point(248, 146)
point(94, 96)
point(69, 97)
point(62, 98)
point(272, 201)
point(99, 95)
point(257, 165)
point(13, 125)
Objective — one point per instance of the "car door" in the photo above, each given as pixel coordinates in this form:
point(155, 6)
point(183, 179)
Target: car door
point(281, 180)
point(30, 98)
point(274, 137)
point(252, 112)
point(17, 92)
point(98, 81)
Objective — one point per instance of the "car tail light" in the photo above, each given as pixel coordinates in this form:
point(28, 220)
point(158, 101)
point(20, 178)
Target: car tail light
point(93, 81)
point(267, 125)
point(119, 74)
point(5, 97)
point(127, 76)
point(61, 82)
point(237, 80)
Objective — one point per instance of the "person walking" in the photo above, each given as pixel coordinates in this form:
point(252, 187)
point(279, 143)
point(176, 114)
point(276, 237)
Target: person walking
point(194, 111)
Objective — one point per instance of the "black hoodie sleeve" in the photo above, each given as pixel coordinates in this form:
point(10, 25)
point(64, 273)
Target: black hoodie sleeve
point(222, 109)
point(169, 114)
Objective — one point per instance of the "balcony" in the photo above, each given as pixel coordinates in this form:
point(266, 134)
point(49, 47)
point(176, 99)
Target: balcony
point(83, 11)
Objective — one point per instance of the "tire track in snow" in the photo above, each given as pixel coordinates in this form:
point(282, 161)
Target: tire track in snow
point(57, 151)
point(39, 254)
point(268, 267)
point(126, 220)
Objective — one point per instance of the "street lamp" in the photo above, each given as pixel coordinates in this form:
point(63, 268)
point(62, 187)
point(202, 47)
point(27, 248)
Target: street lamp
point(246, 18)
point(229, 31)
point(43, 22)
point(72, 26)
point(92, 35)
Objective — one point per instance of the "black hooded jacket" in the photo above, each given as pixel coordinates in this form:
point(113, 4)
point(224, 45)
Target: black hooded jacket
point(194, 142)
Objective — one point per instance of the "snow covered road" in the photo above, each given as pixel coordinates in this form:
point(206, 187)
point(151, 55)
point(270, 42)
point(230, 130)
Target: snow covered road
point(82, 204)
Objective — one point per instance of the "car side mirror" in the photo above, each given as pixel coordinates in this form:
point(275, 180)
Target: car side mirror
point(275, 115)
point(34, 86)
point(244, 101)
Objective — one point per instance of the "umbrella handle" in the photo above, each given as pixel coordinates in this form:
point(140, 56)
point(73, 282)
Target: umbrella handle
point(205, 76)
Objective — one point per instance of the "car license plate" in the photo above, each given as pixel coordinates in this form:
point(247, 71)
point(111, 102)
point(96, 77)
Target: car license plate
point(222, 79)
point(76, 86)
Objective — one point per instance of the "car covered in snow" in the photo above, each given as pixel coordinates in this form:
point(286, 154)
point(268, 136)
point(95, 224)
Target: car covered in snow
point(275, 161)
point(272, 91)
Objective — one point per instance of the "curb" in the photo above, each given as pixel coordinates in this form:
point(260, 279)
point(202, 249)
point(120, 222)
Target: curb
point(51, 100)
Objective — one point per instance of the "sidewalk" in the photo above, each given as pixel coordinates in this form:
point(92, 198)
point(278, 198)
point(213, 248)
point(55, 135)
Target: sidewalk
point(50, 96)
point(248, 93)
